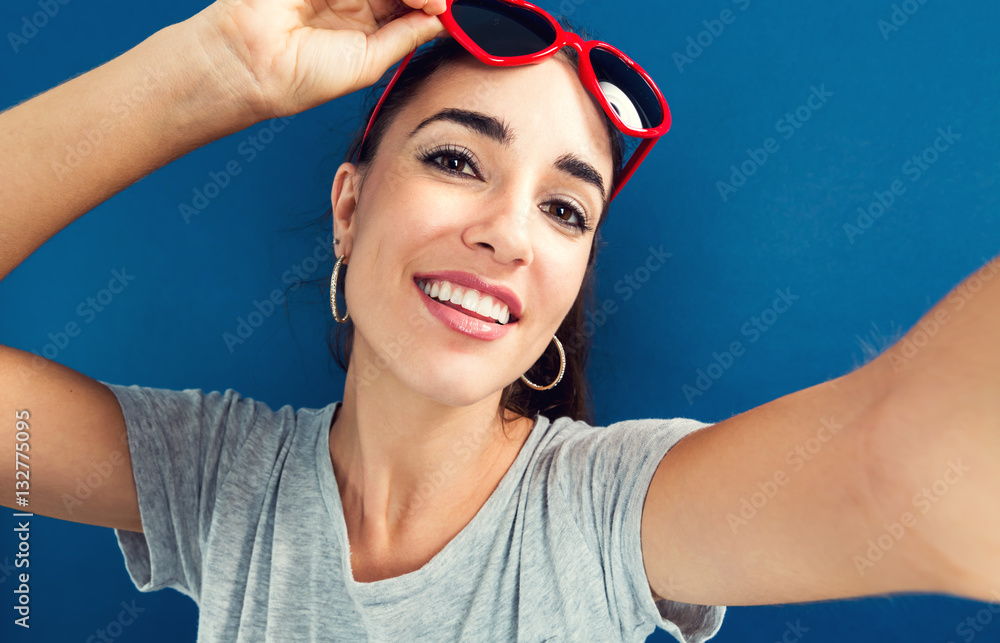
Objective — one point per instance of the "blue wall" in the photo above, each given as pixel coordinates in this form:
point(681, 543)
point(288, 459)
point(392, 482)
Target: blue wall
point(887, 93)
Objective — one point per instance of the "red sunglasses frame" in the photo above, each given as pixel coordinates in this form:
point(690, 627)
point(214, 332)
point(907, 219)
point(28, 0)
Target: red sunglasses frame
point(586, 71)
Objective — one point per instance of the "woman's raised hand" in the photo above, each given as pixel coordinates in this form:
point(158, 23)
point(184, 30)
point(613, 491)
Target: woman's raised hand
point(287, 56)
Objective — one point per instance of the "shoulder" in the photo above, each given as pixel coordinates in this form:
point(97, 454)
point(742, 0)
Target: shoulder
point(608, 467)
point(632, 436)
point(209, 419)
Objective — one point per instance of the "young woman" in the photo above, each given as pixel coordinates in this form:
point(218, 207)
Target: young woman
point(458, 490)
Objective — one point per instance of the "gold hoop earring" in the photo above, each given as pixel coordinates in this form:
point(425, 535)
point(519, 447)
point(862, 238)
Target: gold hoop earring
point(562, 368)
point(333, 291)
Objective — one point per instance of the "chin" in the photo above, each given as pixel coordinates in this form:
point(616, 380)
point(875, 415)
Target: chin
point(454, 387)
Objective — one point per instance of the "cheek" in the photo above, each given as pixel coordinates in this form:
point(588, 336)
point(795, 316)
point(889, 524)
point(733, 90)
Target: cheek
point(416, 205)
point(391, 220)
point(560, 284)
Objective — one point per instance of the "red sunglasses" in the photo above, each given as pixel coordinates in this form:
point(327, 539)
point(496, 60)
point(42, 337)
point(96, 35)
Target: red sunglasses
point(508, 33)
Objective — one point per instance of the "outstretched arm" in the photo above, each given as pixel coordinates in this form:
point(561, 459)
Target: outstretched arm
point(883, 480)
point(938, 443)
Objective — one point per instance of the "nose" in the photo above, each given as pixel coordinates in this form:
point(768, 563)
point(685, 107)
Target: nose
point(503, 224)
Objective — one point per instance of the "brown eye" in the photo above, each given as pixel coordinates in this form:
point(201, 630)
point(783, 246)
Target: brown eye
point(564, 213)
point(454, 164)
point(451, 159)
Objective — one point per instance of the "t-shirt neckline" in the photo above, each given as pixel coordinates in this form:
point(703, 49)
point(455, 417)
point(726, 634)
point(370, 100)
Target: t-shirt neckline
point(437, 567)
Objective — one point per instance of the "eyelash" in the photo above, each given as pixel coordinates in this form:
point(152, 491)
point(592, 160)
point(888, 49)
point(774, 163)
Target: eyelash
point(430, 157)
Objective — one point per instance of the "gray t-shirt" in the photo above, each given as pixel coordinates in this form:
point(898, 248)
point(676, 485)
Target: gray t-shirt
point(240, 511)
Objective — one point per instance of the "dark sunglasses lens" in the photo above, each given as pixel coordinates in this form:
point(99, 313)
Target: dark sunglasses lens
point(502, 29)
point(626, 90)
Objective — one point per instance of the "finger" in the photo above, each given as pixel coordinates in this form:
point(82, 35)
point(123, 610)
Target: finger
point(430, 7)
point(389, 44)
point(435, 7)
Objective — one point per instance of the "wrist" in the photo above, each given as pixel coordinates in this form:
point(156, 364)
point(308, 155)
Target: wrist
point(212, 89)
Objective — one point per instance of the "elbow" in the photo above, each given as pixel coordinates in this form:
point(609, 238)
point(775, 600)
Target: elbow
point(932, 491)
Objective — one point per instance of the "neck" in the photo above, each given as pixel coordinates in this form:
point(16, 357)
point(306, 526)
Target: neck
point(403, 460)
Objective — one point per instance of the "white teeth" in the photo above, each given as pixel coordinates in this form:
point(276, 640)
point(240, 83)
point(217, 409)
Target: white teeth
point(470, 301)
point(467, 298)
point(485, 306)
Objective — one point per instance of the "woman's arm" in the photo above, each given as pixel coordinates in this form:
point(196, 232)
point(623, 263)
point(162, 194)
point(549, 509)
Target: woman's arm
point(231, 65)
point(937, 447)
point(76, 145)
point(884, 480)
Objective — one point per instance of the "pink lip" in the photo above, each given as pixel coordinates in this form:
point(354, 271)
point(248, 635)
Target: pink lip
point(504, 294)
point(461, 322)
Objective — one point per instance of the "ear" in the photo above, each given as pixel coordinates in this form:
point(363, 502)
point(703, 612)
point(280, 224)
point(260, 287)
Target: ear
point(344, 197)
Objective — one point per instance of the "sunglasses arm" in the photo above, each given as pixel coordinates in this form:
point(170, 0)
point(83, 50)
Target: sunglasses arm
point(378, 105)
point(633, 163)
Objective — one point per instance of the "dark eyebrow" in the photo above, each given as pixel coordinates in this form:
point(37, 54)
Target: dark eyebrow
point(574, 165)
point(496, 129)
point(484, 124)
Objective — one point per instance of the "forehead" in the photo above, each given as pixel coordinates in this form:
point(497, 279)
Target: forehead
point(545, 105)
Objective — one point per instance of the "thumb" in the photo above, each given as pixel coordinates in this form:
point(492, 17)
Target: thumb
point(397, 38)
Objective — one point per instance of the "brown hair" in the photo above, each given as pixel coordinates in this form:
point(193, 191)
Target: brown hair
point(571, 397)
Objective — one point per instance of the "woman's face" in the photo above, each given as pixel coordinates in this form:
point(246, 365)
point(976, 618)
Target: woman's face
point(488, 172)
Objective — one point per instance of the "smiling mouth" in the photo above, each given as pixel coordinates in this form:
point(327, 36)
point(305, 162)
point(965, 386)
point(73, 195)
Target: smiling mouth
point(497, 308)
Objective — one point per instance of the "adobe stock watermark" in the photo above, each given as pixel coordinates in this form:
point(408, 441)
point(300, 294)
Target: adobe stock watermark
point(99, 472)
point(627, 287)
point(787, 126)
point(113, 629)
point(899, 16)
point(931, 324)
point(793, 632)
point(218, 180)
point(913, 169)
point(30, 27)
point(6, 570)
point(568, 7)
point(753, 330)
point(875, 342)
point(262, 310)
point(696, 45)
point(974, 624)
point(462, 450)
point(95, 137)
point(668, 587)
point(797, 457)
point(370, 371)
point(87, 310)
point(924, 500)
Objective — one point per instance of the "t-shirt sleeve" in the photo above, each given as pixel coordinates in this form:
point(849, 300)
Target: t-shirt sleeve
point(604, 474)
point(182, 445)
